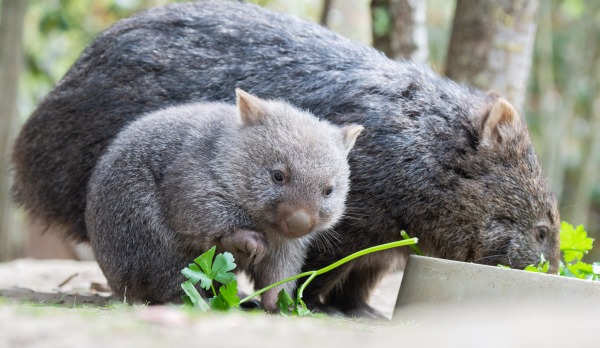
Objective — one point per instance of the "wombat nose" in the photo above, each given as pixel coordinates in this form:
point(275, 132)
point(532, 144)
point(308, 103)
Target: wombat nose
point(299, 223)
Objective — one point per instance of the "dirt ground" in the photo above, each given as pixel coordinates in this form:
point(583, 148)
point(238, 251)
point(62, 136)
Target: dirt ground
point(66, 303)
point(85, 319)
point(81, 282)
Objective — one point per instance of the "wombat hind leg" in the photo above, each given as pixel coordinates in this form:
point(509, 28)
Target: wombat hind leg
point(352, 296)
point(365, 311)
point(350, 309)
point(319, 307)
point(346, 293)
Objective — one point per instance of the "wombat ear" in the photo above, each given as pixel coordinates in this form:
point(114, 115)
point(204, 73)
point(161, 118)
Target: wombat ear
point(350, 133)
point(251, 108)
point(501, 122)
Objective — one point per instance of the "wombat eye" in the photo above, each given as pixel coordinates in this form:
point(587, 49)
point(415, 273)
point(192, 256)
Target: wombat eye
point(541, 233)
point(327, 191)
point(277, 176)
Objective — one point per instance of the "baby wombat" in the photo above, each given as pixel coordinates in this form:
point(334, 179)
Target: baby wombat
point(260, 180)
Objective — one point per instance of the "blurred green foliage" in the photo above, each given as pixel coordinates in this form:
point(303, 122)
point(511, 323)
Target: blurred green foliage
point(381, 20)
point(564, 94)
point(56, 31)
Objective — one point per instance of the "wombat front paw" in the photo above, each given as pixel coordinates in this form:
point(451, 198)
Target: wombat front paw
point(246, 242)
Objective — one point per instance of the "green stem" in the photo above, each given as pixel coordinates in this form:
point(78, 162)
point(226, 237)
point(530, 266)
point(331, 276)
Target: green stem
point(414, 247)
point(213, 289)
point(334, 265)
point(306, 282)
point(276, 284)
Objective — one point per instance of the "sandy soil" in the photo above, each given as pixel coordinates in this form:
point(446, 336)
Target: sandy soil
point(66, 303)
point(74, 323)
point(81, 282)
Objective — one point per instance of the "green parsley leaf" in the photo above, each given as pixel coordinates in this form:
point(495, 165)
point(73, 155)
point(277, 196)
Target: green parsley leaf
point(202, 274)
point(195, 275)
point(224, 263)
point(205, 260)
point(204, 270)
point(193, 297)
point(574, 242)
point(288, 306)
point(532, 268)
point(581, 270)
point(542, 267)
point(301, 308)
point(285, 303)
point(227, 297)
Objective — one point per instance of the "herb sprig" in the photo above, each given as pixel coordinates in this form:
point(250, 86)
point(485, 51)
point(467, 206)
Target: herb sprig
point(207, 272)
point(574, 244)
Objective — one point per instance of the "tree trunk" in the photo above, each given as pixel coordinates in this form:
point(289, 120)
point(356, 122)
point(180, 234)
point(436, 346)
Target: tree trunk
point(399, 28)
point(555, 110)
point(47, 244)
point(589, 168)
point(491, 45)
point(350, 18)
point(325, 12)
point(11, 45)
point(587, 176)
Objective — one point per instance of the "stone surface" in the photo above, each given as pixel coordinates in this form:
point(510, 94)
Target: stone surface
point(435, 281)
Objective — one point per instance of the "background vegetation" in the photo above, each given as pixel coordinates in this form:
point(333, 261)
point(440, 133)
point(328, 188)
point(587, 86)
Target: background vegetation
point(562, 103)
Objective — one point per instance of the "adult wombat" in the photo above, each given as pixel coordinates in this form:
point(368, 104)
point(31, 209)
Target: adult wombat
point(259, 182)
point(449, 164)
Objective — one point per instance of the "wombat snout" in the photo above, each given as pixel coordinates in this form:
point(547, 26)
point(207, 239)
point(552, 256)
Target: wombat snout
point(295, 223)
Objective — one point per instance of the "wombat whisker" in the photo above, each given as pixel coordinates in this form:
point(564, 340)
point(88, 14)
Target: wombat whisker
point(334, 234)
point(330, 241)
point(489, 257)
point(317, 242)
point(330, 245)
point(331, 238)
point(354, 216)
point(356, 212)
point(323, 245)
point(567, 206)
point(355, 209)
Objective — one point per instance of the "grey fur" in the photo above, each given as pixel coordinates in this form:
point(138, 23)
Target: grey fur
point(425, 164)
point(180, 180)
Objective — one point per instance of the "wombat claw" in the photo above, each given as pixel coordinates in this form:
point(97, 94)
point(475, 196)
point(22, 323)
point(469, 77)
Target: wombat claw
point(247, 242)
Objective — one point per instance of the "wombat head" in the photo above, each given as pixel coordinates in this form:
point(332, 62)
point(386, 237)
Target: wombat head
point(289, 167)
point(502, 206)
